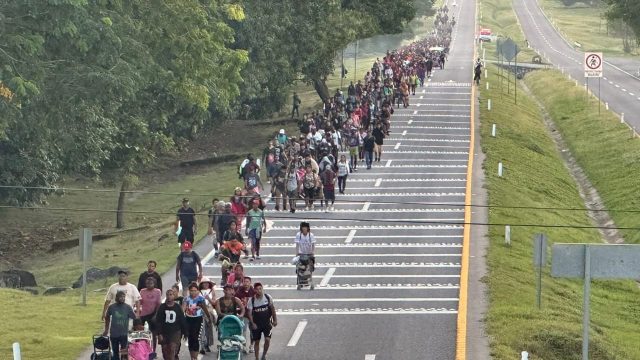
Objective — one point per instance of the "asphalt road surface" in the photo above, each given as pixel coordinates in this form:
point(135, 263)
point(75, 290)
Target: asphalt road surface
point(620, 86)
point(388, 272)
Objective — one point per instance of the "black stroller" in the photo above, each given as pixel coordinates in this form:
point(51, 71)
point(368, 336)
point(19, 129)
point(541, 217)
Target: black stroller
point(304, 271)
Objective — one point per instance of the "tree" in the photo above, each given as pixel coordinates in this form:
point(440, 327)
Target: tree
point(627, 11)
point(102, 88)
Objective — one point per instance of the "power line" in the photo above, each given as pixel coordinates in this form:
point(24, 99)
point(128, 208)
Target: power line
point(275, 216)
point(421, 203)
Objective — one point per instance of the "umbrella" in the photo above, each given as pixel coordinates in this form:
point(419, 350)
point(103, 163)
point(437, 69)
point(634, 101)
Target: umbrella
point(436, 48)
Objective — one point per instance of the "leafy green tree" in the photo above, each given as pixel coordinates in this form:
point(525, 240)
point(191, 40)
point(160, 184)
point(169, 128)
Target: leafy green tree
point(627, 11)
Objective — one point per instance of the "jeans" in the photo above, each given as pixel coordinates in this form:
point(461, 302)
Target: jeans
point(368, 156)
point(342, 183)
point(116, 343)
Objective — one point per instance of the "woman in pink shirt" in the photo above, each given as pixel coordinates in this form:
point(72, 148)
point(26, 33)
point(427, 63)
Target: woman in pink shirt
point(150, 300)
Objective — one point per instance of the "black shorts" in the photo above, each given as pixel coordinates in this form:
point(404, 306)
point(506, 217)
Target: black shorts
point(260, 330)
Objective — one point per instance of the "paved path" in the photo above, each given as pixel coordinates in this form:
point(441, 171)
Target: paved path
point(619, 86)
point(388, 273)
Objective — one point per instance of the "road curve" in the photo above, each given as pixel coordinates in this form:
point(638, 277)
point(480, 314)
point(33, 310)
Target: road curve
point(619, 87)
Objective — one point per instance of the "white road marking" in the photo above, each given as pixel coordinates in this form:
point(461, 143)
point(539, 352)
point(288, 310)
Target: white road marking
point(353, 277)
point(378, 182)
point(367, 245)
point(397, 146)
point(421, 97)
point(370, 357)
point(325, 279)
point(366, 205)
point(415, 112)
point(348, 265)
point(365, 300)
point(428, 286)
point(363, 255)
point(410, 188)
point(404, 133)
point(410, 122)
point(349, 238)
point(297, 220)
point(359, 311)
point(297, 333)
point(388, 164)
point(372, 237)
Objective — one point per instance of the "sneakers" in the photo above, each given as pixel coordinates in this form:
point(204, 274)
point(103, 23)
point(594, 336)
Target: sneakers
point(306, 208)
point(251, 349)
point(258, 257)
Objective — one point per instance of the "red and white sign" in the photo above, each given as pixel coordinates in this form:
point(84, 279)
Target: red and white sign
point(593, 64)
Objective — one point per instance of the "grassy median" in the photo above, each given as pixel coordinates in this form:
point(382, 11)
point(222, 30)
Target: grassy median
point(535, 176)
point(586, 25)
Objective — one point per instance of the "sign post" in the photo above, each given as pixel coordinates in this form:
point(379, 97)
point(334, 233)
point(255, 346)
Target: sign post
point(593, 69)
point(539, 261)
point(86, 246)
point(591, 261)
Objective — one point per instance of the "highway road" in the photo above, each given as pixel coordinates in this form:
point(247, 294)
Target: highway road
point(388, 272)
point(620, 86)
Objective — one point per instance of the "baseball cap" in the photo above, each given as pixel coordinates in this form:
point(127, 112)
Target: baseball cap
point(185, 200)
point(186, 245)
point(123, 272)
point(281, 131)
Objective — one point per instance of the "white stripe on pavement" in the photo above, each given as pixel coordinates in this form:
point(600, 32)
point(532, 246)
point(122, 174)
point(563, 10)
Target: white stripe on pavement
point(349, 238)
point(359, 311)
point(363, 255)
point(378, 182)
point(357, 277)
point(350, 265)
point(366, 205)
point(325, 279)
point(397, 146)
point(370, 357)
point(371, 237)
point(297, 333)
point(365, 300)
point(388, 164)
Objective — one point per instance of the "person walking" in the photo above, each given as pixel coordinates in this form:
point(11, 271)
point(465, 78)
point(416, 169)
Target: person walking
point(186, 221)
point(171, 326)
point(132, 295)
point(343, 171)
point(116, 323)
point(378, 136)
point(244, 293)
point(328, 178)
point(256, 226)
point(262, 318)
point(368, 145)
point(229, 304)
point(306, 243)
point(296, 105)
point(150, 300)
point(194, 307)
point(188, 267)
point(150, 273)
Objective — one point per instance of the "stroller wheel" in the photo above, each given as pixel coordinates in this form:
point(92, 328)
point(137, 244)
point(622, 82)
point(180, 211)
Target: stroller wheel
point(311, 287)
point(299, 287)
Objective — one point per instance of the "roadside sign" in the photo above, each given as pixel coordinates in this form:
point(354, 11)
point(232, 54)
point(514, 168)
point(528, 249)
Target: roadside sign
point(590, 261)
point(593, 64)
point(540, 250)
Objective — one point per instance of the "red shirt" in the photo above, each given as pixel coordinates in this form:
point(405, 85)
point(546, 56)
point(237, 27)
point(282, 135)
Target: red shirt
point(244, 295)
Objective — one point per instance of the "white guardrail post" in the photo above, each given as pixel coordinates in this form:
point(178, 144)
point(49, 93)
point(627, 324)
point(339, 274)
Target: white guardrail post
point(16, 351)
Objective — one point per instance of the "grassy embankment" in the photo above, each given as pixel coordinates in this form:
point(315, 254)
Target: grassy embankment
point(58, 322)
point(586, 25)
point(535, 176)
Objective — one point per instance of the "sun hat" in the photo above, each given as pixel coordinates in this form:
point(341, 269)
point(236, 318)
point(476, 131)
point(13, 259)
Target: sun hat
point(187, 246)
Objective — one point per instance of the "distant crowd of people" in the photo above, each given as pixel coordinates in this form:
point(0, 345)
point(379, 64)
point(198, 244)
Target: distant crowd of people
point(350, 129)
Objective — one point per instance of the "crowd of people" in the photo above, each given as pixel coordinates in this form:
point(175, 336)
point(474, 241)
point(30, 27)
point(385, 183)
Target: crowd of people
point(333, 142)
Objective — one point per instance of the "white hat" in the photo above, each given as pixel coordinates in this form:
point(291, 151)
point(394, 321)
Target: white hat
point(281, 131)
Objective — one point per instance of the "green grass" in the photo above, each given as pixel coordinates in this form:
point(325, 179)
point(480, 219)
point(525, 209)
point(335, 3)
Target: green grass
point(586, 25)
point(602, 145)
point(498, 16)
point(535, 176)
point(59, 322)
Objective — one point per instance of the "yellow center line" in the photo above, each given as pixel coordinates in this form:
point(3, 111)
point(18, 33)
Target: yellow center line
point(461, 333)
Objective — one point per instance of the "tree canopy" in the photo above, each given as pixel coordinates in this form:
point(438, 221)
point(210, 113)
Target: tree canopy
point(627, 11)
point(103, 87)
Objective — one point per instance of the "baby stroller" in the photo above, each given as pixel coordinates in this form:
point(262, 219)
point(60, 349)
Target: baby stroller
point(230, 339)
point(304, 271)
point(140, 346)
point(101, 348)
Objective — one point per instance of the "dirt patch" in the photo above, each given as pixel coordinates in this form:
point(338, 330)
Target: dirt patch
point(598, 213)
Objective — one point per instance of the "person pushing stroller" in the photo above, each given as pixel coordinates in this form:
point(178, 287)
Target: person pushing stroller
point(305, 247)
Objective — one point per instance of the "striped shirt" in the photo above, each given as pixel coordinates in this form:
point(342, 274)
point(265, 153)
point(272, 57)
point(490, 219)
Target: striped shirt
point(305, 243)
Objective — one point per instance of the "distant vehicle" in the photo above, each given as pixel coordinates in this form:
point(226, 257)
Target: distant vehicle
point(485, 35)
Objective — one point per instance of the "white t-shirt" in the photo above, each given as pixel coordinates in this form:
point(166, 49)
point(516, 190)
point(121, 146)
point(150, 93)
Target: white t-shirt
point(305, 242)
point(132, 293)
